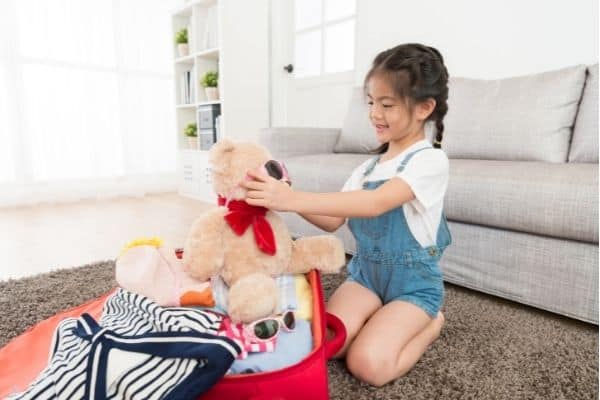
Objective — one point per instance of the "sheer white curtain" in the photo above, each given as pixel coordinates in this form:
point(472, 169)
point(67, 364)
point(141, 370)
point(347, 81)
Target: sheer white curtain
point(86, 99)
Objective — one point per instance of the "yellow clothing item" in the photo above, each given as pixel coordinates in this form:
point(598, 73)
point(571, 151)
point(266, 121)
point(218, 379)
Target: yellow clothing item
point(143, 241)
point(304, 298)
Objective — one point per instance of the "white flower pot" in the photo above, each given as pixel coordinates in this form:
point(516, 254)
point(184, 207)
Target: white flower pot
point(212, 93)
point(193, 142)
point(183, 49)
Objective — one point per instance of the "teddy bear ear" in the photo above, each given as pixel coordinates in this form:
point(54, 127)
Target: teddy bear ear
point(222, 146)
point(220, 153)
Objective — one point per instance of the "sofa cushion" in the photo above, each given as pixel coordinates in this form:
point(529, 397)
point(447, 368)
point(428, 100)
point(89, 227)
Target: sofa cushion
point(322, 172)
point(584, 146)
point(358, 135)
point(558, 200)
point(526, 118)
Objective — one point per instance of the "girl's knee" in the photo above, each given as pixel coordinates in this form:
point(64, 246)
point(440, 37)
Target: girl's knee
point(370, 367)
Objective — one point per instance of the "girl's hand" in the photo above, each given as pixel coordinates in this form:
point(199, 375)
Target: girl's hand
point(266, 191)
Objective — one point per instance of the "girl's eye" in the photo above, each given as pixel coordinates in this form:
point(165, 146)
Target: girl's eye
point(370, 103)
point(387, 105)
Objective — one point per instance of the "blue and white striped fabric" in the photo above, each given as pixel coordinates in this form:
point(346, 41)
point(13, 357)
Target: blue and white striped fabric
point(139, 350)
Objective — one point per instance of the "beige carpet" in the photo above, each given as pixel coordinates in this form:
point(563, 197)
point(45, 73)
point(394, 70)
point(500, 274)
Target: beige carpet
point(489, 348)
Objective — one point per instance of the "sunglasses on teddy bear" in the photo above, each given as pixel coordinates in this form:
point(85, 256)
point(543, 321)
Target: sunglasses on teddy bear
point(273, 168)
point(266, 328)
point(276, 169)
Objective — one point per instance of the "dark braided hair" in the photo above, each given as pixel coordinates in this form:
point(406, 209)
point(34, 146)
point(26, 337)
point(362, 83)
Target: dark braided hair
point(417, 73)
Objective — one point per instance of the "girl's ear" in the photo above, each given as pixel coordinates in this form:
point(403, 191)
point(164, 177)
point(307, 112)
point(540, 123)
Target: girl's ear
point(425, 108)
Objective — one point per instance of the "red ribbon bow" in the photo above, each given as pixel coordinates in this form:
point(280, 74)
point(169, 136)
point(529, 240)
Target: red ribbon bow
point(241, 215)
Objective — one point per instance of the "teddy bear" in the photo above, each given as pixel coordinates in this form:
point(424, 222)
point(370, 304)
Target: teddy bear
point(246, 246)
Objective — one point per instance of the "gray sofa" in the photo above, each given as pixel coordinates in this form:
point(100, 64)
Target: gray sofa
point(523, 194)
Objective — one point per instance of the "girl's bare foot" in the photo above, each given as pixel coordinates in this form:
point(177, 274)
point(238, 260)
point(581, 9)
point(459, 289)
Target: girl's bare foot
point(437, 324)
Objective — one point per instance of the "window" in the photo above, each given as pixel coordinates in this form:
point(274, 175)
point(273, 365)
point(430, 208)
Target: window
point(7, 125)
point(86, 93)
point(323, 36)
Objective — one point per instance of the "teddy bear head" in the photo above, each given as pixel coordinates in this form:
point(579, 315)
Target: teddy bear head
point(230, 161)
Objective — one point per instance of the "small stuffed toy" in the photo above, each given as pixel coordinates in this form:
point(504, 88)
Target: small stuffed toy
point(247, 245)
point(148, 268)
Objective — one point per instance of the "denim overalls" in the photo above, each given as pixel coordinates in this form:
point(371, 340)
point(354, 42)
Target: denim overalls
point(390, 261)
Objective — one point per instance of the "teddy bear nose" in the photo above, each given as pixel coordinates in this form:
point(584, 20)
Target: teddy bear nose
point(274, 169)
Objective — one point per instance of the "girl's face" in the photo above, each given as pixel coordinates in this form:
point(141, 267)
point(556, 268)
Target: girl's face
point(391, 116)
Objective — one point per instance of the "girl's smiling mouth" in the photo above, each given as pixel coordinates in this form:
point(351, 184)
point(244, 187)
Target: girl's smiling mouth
point(380, 128)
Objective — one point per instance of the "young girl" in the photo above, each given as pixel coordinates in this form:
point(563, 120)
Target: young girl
point(391, 302)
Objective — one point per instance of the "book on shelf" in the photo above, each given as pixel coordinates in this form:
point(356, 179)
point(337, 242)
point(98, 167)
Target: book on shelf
point(192, 86)
point(218, 129)
point(187, 87)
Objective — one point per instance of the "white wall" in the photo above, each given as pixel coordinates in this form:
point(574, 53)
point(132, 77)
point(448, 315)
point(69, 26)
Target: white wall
point(245, 66)
point(483, 39)
point(479, 39)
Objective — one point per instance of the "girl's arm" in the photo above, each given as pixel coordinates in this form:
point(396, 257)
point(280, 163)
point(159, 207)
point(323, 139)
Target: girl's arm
point(268, 192)
point(329, 224)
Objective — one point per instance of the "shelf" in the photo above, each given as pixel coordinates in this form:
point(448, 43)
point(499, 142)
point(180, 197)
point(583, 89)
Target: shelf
point(204, 3)
point(184, 106)
point(194, 105)
point(185, 60)
point(209, 53)
point(212, 54)
point(207, 103)
point(186, 9)
point(193, 151)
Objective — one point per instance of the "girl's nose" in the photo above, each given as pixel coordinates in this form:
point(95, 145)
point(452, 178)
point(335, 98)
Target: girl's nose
point(375, 114)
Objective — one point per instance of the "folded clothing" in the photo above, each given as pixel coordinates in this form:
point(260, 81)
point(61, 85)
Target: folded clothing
point(137, 348)
point(304, 297)
point(157, 273)
point(291, 348)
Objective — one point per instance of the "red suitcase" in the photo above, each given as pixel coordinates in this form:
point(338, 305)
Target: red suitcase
point(305, 380)
point(22, 359)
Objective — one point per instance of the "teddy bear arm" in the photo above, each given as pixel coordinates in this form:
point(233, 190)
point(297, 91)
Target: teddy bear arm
point(325, 253)
point(203, 251)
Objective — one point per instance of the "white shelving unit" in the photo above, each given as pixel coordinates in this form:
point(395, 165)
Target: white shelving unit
point(237, 46)
point(202, 20)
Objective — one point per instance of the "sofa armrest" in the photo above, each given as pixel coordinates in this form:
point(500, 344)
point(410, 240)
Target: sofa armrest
point(287, 142)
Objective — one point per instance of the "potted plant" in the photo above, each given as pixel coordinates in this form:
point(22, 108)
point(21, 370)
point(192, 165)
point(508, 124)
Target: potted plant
point(181, 38)
point(210, 82)
point(192, 136)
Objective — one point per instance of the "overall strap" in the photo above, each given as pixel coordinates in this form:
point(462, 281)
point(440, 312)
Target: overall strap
point(409, 156)
point(371, 166)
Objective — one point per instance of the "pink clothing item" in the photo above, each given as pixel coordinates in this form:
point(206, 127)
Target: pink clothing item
point(156, 273)
point(237, 334)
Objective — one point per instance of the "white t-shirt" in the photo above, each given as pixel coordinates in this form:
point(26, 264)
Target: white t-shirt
point(427, 175)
